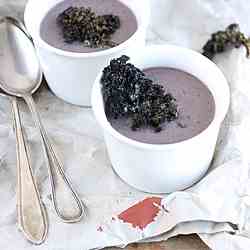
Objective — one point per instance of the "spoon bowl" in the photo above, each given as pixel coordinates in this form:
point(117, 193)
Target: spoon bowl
point(20, 71)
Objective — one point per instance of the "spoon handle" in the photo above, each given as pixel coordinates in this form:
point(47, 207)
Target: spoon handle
point(32, 217)
point(67, 203)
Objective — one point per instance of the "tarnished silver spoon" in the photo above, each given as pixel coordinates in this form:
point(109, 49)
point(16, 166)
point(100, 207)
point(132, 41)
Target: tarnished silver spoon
point(20, 76)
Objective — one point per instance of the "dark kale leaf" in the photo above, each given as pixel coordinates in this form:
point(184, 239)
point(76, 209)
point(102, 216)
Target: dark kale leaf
point(127, 92)
point(221, 41)
point(83, 25)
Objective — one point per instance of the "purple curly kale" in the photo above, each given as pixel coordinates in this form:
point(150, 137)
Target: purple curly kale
point(127, 92)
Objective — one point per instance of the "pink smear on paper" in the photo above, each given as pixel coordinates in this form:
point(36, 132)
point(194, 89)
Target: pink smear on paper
point(143, 213)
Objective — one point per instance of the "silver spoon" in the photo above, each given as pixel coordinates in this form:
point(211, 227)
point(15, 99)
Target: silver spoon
point(20, 75)
point(32, 217)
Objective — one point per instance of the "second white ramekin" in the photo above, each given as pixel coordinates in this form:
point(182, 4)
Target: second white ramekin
point(171, 167)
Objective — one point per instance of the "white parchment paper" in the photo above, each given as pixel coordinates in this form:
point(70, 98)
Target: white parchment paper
point(217, 208)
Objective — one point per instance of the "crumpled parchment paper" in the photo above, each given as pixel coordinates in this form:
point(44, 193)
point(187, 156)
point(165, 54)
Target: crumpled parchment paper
point(217, 208)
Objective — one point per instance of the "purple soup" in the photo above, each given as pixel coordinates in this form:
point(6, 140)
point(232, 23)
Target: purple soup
point(50, 31)
point(196, 107)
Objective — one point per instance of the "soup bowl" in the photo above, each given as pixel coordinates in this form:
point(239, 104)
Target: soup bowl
point(166, 168)
point(70, 75)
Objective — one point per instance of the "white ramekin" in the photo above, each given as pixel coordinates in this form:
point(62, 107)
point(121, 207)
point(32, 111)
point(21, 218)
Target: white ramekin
point(170, 167)
point(71, 75)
